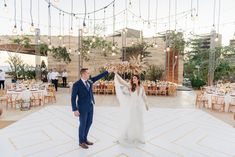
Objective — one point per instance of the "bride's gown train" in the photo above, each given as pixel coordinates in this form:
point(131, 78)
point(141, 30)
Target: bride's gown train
point(132, 104)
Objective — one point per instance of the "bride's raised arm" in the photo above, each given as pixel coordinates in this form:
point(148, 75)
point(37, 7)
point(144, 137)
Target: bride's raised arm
point(121, 81)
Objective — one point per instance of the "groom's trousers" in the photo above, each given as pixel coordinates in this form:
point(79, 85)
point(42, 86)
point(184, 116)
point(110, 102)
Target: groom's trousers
point(85, 119)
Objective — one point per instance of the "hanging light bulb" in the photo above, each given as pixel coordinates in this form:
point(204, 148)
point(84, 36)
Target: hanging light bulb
point(5, 8)
point(90, 43)
point(60, 37)
point(104, 37)
point(88, 51)
point(156, 46)
point(48, 40)
point(50, 46)
point(132, 43)
point(71, 31)
point(21, 32)
point(79, 52)
point(168, 49)
point(149, 26)
point(93, 39)
point(103, 49)
point(32, 28)
point(196, 17)
point(217, 38)
point(56, 1)
point(126, 30)
point(70, 50)
point(113, 48)
point(14, 30)
point(63, 45)
point(113, 54)
point(39, 41)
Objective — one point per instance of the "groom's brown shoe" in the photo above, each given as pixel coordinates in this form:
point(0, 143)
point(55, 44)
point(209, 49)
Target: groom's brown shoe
point(89, 143)
point(83, 145)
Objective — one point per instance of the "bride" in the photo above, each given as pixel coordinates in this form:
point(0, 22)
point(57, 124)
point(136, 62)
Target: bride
point(132, 99)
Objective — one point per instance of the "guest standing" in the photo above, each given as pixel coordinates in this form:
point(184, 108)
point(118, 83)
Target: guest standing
point(64, 77)
point(54, 78)
point(2, 79)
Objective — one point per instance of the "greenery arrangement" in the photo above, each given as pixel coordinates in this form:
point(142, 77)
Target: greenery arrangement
point(19, 69)
point(154, 73)
point(197, 63)
point(61, 54)
point(100, 46)
point(138, 49)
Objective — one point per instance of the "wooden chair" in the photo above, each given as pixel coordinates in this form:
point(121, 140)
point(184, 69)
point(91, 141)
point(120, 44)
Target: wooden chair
point(218, 101)
point(13, 100)
point(231, 104)
point(146, 89)
point(37, 99)
point(152, 90)
point(163, 90)
point(200, 100)
point(109, 89)
point(51, 95)
point(95, 89)
point(172, 90)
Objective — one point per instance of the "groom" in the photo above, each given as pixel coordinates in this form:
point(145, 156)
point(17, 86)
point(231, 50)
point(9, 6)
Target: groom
point(82, 100)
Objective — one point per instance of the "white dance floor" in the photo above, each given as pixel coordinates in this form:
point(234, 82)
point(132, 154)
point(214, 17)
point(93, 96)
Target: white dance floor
point(52, 132)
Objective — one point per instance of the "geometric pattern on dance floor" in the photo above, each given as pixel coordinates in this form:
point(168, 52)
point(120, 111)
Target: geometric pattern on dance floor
point(52, 132)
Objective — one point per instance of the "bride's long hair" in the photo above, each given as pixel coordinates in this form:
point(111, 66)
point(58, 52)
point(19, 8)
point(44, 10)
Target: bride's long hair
point(133, 85)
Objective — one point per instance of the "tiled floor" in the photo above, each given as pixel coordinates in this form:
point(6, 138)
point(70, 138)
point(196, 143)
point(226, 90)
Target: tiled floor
point(52, 132)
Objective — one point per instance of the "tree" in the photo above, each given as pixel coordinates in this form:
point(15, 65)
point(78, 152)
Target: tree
point(196, 65)
point(100, 46)
point(16, 63)
point(61, 54)
point(154, 73)
point(23, 41)
point(136, 50)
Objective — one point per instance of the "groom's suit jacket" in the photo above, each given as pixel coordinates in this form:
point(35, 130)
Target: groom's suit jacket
point(85, 100)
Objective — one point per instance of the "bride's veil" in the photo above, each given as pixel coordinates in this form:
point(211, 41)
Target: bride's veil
point(123, 96)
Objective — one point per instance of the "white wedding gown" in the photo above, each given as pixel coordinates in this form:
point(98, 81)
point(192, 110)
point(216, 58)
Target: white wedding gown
point(132, 105)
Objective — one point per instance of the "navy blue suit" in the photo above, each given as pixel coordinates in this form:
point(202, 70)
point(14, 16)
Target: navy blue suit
point(84, 104)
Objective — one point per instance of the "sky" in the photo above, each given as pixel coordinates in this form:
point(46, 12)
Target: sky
point(200, 25)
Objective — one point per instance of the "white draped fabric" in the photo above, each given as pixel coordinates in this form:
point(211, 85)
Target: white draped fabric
point(131, 128)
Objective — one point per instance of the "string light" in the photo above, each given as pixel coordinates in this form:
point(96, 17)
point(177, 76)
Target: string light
point(85, 29)
point(5, 7)
point(21, 18)
point(113, 54)
point(168, 49)
point(31, 15)
point(14, 31)
point(217, 38)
